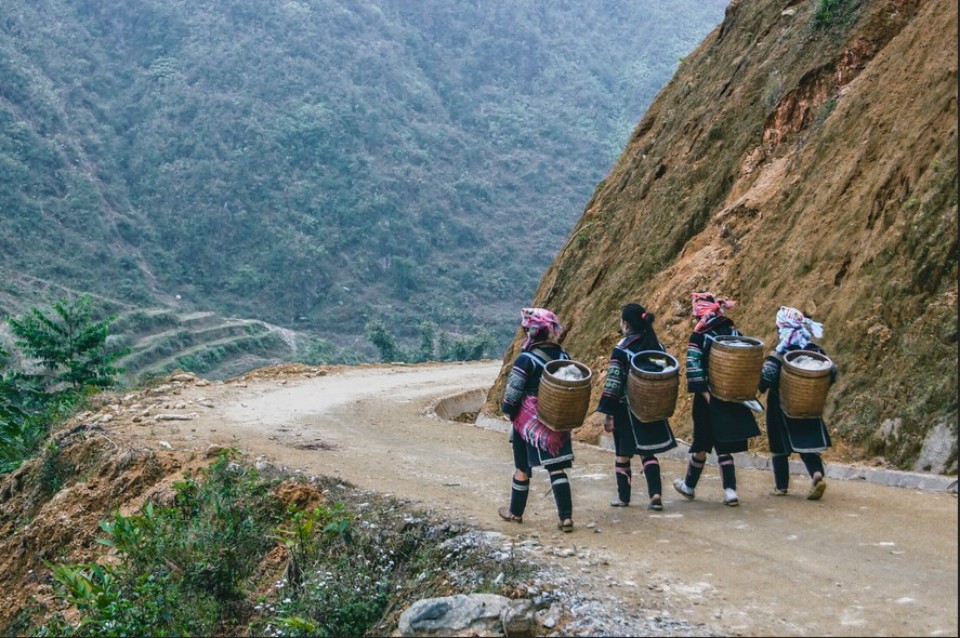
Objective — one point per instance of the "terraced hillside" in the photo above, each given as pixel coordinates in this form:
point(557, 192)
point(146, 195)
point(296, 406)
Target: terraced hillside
point(162, 340)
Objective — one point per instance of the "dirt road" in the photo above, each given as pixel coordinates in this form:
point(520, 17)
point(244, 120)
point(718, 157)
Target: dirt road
point(866, 560)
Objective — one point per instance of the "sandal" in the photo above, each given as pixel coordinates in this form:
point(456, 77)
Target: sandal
point(507, 515)
point(656, 503)
point(565, 526)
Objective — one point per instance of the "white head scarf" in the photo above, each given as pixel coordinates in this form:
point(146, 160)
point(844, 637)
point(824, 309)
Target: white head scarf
point(795, 329)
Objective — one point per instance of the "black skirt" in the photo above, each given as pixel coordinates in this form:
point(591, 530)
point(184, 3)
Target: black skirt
point(787, 435)
point(526, 456)
point(632, 437)
point(724, 426)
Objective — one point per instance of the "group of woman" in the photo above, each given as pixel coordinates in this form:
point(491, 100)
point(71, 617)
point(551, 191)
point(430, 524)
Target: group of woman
point(723, 427)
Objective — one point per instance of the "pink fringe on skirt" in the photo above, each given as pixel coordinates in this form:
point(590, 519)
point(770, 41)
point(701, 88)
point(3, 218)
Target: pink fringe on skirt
point(530, 429)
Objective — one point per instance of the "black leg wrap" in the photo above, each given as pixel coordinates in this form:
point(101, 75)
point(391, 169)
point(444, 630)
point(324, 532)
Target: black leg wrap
point(694, 469)
point(624, 479)
point(728, 471)
point(781, 471)
point(813, 463)
point(518, 496)
point(651, 469)
point(561, 494)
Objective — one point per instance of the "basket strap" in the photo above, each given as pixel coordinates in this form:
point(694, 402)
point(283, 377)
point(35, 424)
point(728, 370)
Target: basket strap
point(537, 361)
point(542, 355)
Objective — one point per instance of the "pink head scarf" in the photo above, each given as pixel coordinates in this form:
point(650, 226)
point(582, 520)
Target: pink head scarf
point(706, 307)
point(537, 319)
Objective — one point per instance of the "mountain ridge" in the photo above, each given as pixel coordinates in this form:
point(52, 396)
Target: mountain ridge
point(317, 164)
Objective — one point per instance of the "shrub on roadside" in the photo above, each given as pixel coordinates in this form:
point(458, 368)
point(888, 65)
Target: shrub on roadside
point(206, 565)
point(182, 568)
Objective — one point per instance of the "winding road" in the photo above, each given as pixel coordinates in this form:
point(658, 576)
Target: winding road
point(867, 560)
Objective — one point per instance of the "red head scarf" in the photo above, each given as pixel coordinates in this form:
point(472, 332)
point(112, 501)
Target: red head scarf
point(706, 307)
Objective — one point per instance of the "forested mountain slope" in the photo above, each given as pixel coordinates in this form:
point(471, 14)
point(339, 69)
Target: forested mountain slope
point(805, 154)
point(318, 163)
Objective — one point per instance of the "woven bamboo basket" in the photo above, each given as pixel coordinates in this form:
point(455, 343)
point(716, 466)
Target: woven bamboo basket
point(652, 395)
point(734, 371)
point(562, 405)
point(803, 393)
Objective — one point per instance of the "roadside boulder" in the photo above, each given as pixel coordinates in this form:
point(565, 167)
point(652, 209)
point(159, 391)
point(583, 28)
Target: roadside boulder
point(460, 615)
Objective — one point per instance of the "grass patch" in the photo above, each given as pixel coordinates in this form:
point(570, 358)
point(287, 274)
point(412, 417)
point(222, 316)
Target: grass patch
point(54, 470)
point(825, 110)
point(832, 13)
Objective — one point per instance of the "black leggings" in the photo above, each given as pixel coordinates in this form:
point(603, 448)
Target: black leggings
point(781, 467)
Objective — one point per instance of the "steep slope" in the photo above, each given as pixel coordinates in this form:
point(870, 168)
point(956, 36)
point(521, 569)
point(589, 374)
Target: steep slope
point(805, 154)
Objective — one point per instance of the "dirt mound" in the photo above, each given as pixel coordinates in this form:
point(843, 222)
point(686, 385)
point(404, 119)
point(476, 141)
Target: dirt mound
point(110, 458)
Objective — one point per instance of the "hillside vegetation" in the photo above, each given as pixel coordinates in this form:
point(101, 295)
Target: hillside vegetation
point(805, 155)
point(315, 163)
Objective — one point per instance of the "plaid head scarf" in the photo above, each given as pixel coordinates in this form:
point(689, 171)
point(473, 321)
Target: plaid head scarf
point(795, 329)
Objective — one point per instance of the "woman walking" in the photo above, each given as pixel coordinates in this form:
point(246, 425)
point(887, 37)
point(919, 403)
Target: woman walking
point(723, 426)
point(631, 436)
point(807, 437)
point(534, 443)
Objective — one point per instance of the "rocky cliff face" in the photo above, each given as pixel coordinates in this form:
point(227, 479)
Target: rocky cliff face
point(805, 155)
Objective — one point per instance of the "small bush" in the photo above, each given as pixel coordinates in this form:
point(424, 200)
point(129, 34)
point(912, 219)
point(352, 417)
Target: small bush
point(833, 13)
point(826, 109)
point(181, 568)
point(190, 568)
point(26, 415)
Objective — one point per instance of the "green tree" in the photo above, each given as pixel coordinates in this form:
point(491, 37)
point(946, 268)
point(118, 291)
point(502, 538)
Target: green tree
point(26, 413)
point(9, 393)
point(384, 342)
point(428, 333)
point(69, 344)
point(471, 348)
point(445, 347)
